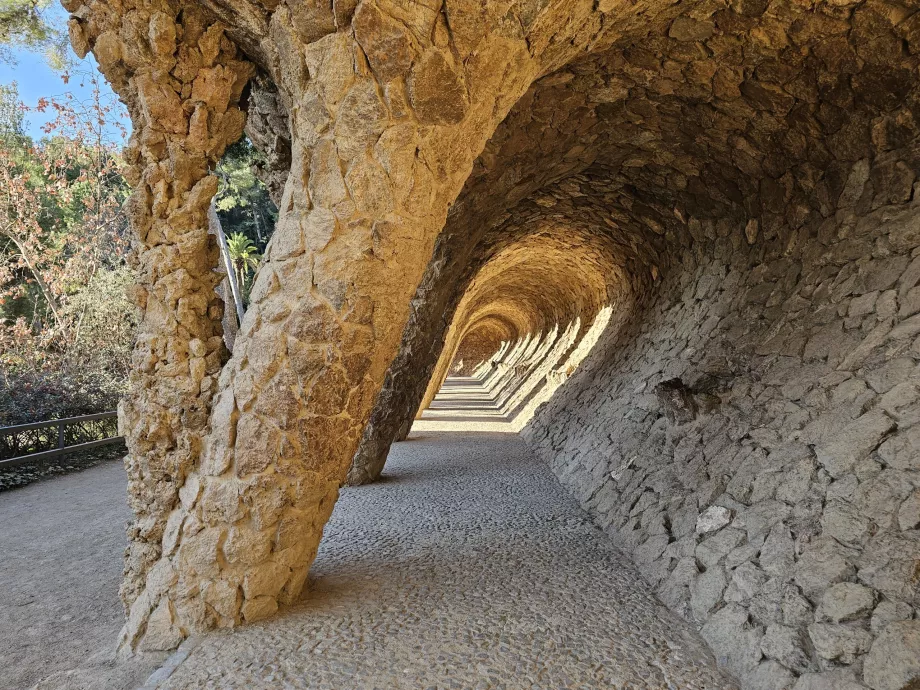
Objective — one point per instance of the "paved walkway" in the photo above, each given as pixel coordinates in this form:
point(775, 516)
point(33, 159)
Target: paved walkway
point(466, 567)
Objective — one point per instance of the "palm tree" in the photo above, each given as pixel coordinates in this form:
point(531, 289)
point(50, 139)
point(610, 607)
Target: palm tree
point(245, 256)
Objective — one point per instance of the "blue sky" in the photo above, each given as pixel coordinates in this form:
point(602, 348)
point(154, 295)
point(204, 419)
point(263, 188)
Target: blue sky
point(35, 79)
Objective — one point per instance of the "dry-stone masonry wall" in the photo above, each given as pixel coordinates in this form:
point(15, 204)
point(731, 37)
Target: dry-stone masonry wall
point(480, 344)
point(782, 513)
point(541, 285)
point(235, 470)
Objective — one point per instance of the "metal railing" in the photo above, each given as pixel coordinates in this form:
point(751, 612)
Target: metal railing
point(44, 440)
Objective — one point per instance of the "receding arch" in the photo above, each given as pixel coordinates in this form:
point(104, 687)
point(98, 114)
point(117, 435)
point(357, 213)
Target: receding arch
point(550, 285)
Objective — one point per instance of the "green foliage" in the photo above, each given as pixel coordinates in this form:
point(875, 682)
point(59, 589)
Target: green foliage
point(66, 325)
point(242, 201)
point(245, 257)
point(31, 25)
point(44, 380)
point(105, 322)
point(12, 117)
point(243, 252)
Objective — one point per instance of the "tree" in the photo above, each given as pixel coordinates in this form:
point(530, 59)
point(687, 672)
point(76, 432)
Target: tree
point(60, 204)
point(65, 321)
point(245, 257)
point(242, 200)
point(12, 116)
point(30, 24)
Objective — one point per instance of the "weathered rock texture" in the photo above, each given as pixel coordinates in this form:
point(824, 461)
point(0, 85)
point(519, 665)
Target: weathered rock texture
point(768, 509)
point(732, 183)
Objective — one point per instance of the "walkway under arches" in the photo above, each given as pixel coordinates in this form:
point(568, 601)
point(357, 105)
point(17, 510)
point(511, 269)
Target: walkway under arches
point(467, 566)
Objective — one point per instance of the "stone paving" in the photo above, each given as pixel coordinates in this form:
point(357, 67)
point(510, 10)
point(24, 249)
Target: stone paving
point(466, 566)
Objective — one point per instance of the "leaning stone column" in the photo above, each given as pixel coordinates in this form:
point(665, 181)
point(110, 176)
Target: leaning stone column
point(388, 109)
point(409, 373)
point(182, 80)
point(386, 122)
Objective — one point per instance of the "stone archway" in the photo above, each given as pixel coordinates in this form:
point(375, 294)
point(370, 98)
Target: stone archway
point(749, 168)
point(387, 112)
point(550, 285)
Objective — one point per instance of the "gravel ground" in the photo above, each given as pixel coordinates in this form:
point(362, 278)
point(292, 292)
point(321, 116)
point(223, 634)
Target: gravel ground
point(61, 542)
point(465, 567)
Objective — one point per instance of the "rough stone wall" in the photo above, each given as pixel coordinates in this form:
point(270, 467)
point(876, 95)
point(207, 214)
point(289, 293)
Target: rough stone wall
point(508, 170)
point(782, 513)
point(769, 138)
point(479, 345)
point(422, 140)
point(542, 279)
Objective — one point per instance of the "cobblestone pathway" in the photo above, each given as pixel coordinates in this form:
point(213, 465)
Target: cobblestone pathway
point(466, 567)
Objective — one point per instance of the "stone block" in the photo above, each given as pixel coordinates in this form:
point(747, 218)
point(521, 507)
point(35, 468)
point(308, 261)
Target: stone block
point(843, 521)
point(766, 606)
point(823, 564)
point(785, 644)
point(198, 553)
point(220, 501)
point(259, 608)
point(879, 497)
point(712, 550)
point(768, 675)
point(890, 563)
point(713, 519)
point(902, 450)
point(841, 643)
point(687, 29)
point(247, 546)
point(734, 641)
point(706, 592)
point(651, 549)
point(909, 512)
point(838, 679)
point(162, 632)
point(746, 581)
point(797, 610)
point(761, 517)
point(889, 611)
point(893, 663)
point(845, 601)
point(854, 443)
point(224, 597)
point(265, 579)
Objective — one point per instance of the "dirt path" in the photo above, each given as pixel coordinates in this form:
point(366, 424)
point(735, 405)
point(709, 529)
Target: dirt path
point(466, 567)
point(61, 546)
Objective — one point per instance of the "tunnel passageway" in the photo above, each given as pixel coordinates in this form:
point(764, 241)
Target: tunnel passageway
point(466, 566)
point(712, 207)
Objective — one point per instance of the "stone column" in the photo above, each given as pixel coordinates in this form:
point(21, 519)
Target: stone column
point(383, 136)
point(388, 107)
point(182, 80)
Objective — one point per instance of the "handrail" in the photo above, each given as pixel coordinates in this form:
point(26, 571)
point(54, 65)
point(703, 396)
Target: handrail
point(7, 430)
point(62, 448)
